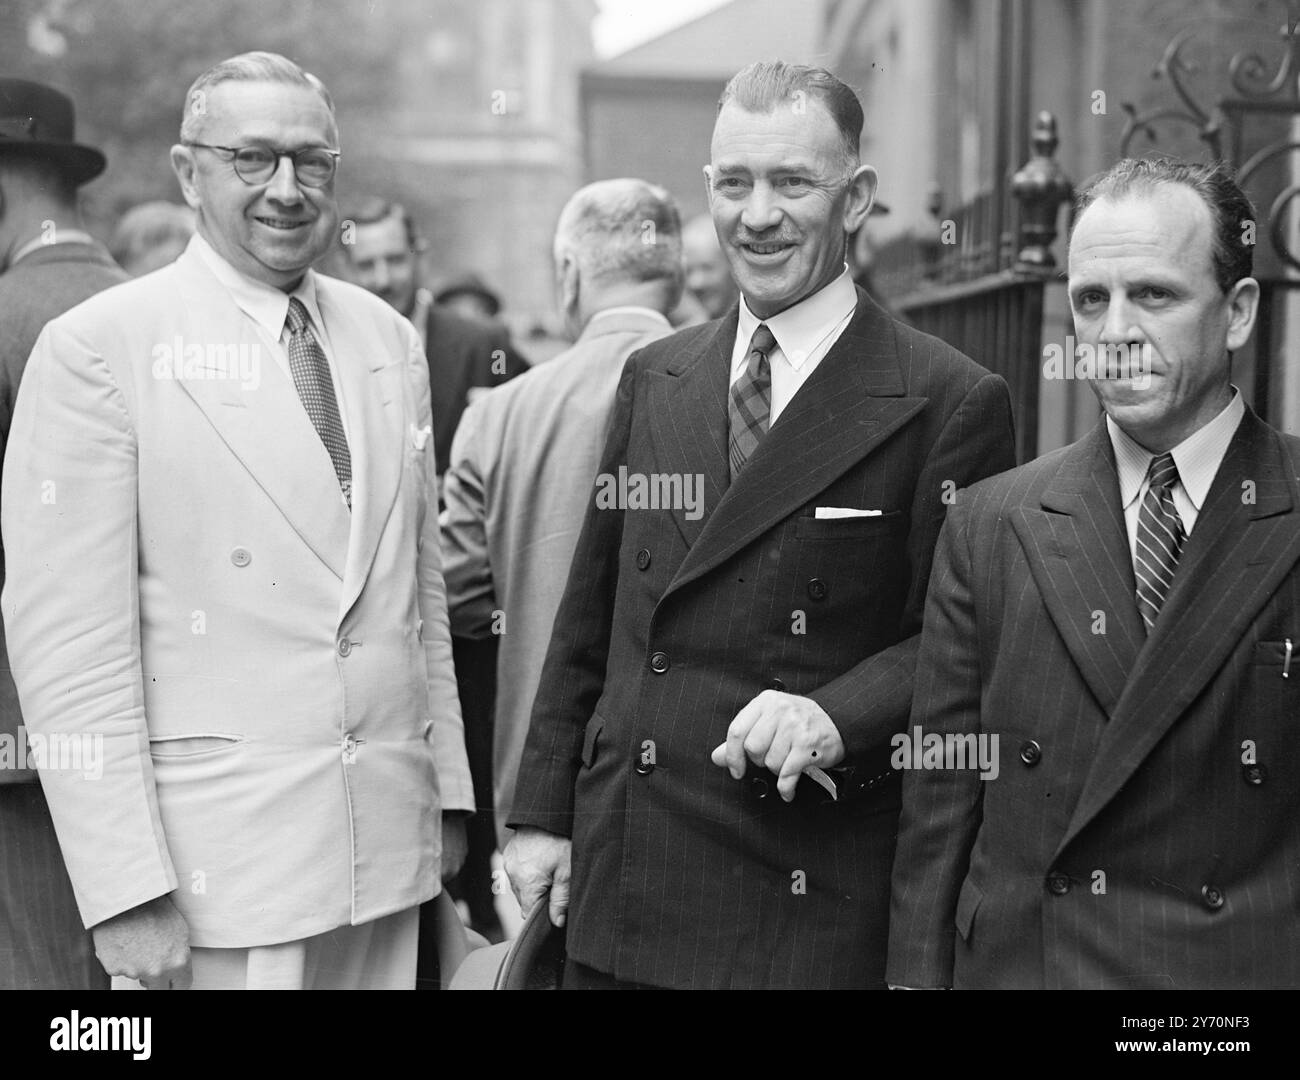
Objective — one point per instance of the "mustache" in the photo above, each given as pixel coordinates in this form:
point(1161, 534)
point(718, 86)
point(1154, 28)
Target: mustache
point(750, 239)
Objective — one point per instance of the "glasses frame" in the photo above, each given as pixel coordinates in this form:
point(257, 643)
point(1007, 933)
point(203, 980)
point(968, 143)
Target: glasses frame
point(292, 155)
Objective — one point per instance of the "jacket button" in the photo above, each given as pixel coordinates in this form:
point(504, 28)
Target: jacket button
point(1058, 884)
point(760, 787)
point(659, 663)
point(1213, 896)
point(345, 647)
point(817, 589)
point(241, 556)
point(643, 559)
point(1254, 774)
point(644, 767)
point(776, 684)
point(1031, 753)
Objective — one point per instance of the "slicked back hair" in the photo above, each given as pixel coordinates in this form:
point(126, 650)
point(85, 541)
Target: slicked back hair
point(767, 85)
point(374, 209)
point(625, 229)
point(1230, 209)
point(246, 67)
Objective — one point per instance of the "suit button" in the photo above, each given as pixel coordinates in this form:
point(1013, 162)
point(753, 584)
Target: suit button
point(1031, 753)
point(345, 647)
point(241, 556)
point(644, 767)
point(1058, 884)
point(1213, 896)
point(760, 787)
point(776, 684)
point(817, 589)
point(1254, 774)
point(643, 559)
point(659, 663)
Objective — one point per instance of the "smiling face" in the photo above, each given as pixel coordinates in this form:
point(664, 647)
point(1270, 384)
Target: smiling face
point(272, 231)
point(384, 263)
point(783, 199)
point(1141, 274)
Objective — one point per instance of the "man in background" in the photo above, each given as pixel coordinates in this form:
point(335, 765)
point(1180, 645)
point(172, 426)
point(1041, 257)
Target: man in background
point(47, 265)
point(525, 455)
point(708, 277)
point(151, 235)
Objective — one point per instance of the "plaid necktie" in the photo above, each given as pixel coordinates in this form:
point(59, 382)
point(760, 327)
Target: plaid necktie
point(751, 400)
point(311, 375)
point(1160, 539)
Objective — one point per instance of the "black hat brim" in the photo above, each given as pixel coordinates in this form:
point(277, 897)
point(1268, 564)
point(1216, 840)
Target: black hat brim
point(78, 163)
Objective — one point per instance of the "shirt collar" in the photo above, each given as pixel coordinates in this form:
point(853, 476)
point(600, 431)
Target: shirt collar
point(800, 329)
point(631, 309)
point(264, 304)
point(1197, 457)
point(61, 236)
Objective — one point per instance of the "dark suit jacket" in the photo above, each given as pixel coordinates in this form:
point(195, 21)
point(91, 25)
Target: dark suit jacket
point(669, 626)
point(1144, 828)
point(38, 287)
point(463, 355)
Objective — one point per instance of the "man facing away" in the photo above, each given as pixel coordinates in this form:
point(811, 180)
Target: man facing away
point(47, 265)
point(225, 578)
point(525, 455)
point(1119, 621)
point(745, 597)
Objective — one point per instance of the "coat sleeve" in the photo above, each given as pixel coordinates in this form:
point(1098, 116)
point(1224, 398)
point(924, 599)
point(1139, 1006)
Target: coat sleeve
point(71, 609)
point(941, 807)
point(573, 674)
point(870, 701)
point(455, 787)
point(471, 593)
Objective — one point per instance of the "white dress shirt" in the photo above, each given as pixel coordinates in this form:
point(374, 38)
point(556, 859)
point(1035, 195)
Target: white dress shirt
point(1197, 458)
point(804, 334)
point(268, 307)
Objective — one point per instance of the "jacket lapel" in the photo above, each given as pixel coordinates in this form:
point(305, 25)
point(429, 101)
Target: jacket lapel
point(848, 406)
point(1078, 553)
point(1235, 558)
point(264, 425)
point(372, 382)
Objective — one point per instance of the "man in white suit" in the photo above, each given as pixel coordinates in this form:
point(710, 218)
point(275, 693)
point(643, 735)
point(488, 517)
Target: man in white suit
point(225, 582)
point(525, 454)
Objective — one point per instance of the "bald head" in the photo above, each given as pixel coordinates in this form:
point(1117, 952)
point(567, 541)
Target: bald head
point(708, 277)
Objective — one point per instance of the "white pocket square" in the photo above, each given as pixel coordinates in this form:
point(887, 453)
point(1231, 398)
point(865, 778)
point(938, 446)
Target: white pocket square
point(824, 512)
point(420, 436)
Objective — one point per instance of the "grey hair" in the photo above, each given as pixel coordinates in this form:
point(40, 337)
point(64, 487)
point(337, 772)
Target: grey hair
point(623, 229)
point(765, 86)
point(246, 67)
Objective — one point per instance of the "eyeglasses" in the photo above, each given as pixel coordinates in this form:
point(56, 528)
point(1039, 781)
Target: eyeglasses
point(314, 166)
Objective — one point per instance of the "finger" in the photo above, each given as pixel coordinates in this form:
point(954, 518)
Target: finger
point(737, 732)
point(559, 900)
point(778, 749)
point(719, 755)
point(759, 740)
point(798, 759)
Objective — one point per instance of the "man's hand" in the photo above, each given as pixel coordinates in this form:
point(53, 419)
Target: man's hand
point(150, 943)
point(455, 843)
point(534, 860)
point(784, 733)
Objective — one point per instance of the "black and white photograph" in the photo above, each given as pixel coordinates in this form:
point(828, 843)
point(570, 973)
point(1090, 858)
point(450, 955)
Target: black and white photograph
point(605, 495)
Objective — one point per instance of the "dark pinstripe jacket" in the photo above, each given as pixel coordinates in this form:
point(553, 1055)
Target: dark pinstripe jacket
point(1144, 828)
point(671, 622)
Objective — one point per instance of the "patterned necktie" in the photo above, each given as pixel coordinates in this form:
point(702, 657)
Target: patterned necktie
point(1160, 539)
point(751, 400)
point(311, 375)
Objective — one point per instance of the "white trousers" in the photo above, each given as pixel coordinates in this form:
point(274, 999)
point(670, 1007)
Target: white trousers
point(377, 955)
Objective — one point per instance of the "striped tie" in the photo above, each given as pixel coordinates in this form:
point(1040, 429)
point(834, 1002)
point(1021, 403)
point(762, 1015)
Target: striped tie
point(1160, 539)
point(311, 375)
point(751, 400)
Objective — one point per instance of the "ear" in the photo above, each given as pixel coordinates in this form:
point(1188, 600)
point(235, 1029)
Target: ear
point(708, 183)
point(186, 169)
point(569, 283)
point(1243, 305)
point(862, 193)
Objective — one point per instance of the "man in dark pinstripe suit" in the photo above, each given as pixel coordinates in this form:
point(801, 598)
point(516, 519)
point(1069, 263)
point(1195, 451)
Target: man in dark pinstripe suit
point(710, 649)
point(1123, 614)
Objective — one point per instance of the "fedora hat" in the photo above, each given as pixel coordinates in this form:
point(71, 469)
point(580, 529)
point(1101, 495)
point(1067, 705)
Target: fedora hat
point(533, 961)
point(37, 119)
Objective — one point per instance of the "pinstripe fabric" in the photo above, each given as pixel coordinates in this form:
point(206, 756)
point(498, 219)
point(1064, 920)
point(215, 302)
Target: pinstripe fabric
point(682, 876)
point(1159, 541)
point(1154, 838)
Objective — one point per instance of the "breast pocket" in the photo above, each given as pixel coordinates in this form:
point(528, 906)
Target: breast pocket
point(848, 528)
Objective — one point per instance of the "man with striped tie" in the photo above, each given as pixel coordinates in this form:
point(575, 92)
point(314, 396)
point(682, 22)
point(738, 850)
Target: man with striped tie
point(1121, 616)
point(709, 746)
